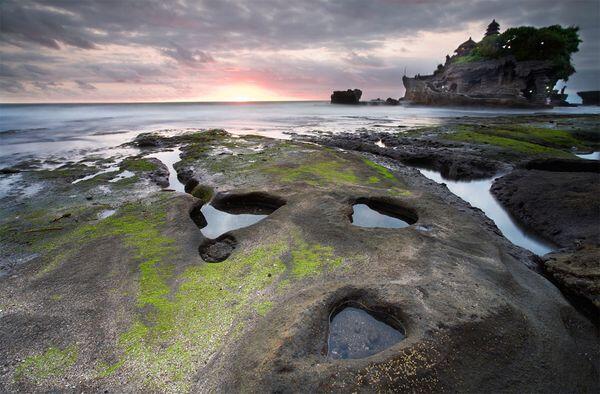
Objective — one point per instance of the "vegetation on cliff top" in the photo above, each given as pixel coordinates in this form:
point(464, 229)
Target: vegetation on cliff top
point(553, 43)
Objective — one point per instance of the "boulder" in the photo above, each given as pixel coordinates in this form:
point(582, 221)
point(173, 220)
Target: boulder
point(346, 97)
point(590, 97)
point(148, 140)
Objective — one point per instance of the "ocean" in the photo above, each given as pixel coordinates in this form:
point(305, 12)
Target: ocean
point(61, 132)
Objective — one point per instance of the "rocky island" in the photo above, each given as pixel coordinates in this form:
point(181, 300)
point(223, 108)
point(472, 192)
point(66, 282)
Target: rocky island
point(517, 68)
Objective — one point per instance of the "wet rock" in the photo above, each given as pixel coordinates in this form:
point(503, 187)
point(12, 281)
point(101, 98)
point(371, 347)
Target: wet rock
point(256, 203)
point(590, 97)
point(576, 271)
point(203, 192)
point(9, 170)
point(148, 140)
point(160, 175)
point(217, 250)
point(452, 160)
point(475, 317)
point(563, 165)
point(346, 97)
point(562, 207)
point(391, 101)
point(190, 185)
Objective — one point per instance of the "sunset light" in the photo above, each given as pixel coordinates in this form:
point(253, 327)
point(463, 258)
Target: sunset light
point(318, 196)
point(242, 93)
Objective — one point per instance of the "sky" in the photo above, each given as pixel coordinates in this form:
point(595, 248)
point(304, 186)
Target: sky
point(235, 50)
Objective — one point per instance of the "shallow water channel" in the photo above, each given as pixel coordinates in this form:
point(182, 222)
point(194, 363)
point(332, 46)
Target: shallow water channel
point(477, 193)
point(590, 156)
point(169, 158)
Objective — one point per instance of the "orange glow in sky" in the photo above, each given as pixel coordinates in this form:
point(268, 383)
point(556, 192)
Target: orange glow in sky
point(242, 92)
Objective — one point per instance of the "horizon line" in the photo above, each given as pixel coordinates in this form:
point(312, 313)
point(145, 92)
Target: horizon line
point(156, 102)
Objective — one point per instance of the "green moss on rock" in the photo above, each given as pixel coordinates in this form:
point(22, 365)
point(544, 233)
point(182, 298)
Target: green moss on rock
point(318, 173)
point(141, 165)
point(203, 192)
point(189, 324)
point(52, 363)
point(384, 172)
point(506, 143)
point(310, 260)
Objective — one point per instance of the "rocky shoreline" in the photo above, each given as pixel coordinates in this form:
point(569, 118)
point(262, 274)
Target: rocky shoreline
point(107, 282)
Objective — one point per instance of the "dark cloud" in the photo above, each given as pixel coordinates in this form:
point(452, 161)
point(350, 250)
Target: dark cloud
point(84, 85)
point(189, 58)
point(52, 41)
point(364, 60)
point(10, 86)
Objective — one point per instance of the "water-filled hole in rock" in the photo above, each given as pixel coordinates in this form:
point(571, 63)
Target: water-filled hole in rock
point(231, 212)
point(357, 332)
point(217, 250)
point(377, 214)
point(226, 213)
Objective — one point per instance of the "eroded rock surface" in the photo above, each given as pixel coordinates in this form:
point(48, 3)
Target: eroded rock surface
point(562, 206)
point(577, 271)
point(126, 303)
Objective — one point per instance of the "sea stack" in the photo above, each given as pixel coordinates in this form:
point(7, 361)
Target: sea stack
point(350, 96)
point(590, 97)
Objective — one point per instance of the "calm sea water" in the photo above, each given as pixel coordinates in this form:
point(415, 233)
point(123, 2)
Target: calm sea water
point(66, 131)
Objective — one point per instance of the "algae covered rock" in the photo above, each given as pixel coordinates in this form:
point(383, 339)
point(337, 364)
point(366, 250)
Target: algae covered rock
point(132, 302)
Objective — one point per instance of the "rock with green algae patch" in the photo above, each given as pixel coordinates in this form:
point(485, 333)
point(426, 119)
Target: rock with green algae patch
point(158, 318)
point(53, 363)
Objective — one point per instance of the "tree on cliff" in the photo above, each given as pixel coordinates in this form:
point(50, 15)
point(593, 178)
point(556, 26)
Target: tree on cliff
point(553, 43)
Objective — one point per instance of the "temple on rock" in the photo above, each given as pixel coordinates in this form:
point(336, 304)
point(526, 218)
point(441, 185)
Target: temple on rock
point(499, 70)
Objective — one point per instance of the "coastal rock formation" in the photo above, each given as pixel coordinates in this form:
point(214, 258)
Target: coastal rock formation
point(502, 82)
point(591, 97)
point(346, 97)
point(128, 302)
point(490, 73)
point(576, 271)
point(564, 208)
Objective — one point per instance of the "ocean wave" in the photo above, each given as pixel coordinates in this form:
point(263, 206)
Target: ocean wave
point(17, 131)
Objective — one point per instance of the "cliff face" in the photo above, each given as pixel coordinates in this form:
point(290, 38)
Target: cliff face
point(502, 82)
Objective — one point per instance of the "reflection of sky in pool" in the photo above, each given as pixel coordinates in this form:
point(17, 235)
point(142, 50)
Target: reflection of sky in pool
point(363, 216)
point(220, 222)
point(590, 156)
point(169, 158)
point(478, 194)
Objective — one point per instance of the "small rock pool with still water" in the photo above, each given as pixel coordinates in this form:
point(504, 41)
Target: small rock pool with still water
point(357, 333)
point(364, 216)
